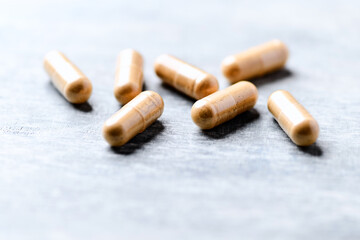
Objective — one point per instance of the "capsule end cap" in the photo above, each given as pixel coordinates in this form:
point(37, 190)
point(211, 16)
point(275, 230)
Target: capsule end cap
point(202, 115)
point(231, 69)
point(126, 93)
point(114, 135)
point(205, 85)
point(305, 133)
point(78, 91)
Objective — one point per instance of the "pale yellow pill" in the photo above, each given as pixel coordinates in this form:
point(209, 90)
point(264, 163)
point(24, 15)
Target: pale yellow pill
point(255, 62)
point(133, 118)
point(224, 105)
point(184, 77)
point(293, 118)
point(67, 78)
point(128, 76)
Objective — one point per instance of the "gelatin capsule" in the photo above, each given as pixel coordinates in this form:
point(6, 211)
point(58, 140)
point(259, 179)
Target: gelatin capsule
point(255, 62)
point(184, 77)
point(128, 76)
point(224, 105)
point(133, 118)
point(293, 118)
point(67, 78)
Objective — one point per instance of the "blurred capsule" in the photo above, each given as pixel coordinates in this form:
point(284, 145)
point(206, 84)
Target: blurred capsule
point(255, 62)
point(184, 77)
point(128, 76)
point(67, 78)
point(293, 118)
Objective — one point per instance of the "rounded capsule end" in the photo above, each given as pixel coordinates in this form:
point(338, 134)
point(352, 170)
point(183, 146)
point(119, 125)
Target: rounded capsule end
point(158, 64)
point(231, 69)
point(78, 91)
point(205, 85)
point(126, 92)
point(115, 135)
point(203, 115)
point(305, 133)
point(157, 98)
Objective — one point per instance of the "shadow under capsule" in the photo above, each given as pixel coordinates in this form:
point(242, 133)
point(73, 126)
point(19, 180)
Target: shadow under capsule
point(140, 140)
point(272, 77)
point(232, 125)
point(83, 107)
point(313, 150)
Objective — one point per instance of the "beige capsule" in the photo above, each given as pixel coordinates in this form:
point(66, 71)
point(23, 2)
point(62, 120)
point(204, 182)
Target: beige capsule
point(293, 118)
point(128, 76)
point(133, 118)
point(67, 78)
point(224, 105)
point(184, 77)
point(255, 62)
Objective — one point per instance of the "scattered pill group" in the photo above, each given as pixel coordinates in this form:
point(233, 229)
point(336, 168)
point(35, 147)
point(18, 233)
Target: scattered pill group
point(212, 108)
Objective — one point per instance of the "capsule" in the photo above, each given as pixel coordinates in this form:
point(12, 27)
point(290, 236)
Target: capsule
point(184, 77)
point(224, 105)
point(128, 76)
point(293, 118)
point(67, 78)
point(255, 62)
point(133, 118)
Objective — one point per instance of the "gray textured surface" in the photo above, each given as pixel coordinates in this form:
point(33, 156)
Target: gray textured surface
point(244, 179)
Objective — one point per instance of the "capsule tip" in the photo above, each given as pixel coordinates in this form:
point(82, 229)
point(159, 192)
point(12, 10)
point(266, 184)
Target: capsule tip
point(158, 64)
point(305, 133)
point(203, 115)
point(126, 92)
point(205, 85)
point(231, 69)
point(157, 98)
point(78, 91)
point(114, 134)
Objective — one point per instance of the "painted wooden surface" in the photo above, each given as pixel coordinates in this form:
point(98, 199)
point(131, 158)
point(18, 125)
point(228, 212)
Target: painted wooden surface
point(244, 179)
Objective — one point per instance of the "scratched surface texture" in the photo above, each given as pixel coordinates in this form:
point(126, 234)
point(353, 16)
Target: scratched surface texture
point(242, 180)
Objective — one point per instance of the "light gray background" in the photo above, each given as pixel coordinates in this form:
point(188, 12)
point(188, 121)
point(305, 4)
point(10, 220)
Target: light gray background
point(243, 180)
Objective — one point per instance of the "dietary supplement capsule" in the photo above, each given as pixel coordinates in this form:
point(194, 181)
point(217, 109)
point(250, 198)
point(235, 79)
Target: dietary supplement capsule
point(128, 76)
point(185, 77)
point(67, 78)
point(255, 62)
point(133, 118)
point(293, 118)
point(224, 105)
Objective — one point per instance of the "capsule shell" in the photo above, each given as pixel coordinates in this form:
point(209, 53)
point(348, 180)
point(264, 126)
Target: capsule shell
point(255, 62)
point(184, 77)
point(67, 78)
point(133, 118)
point(293, 118)
point(128, 76)
point(224, 105)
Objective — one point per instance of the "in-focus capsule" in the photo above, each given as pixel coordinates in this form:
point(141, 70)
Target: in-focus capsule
point(133, 118)
point(255, 62)
point(128, 76)
point(293, 118)
point(184, 77)
point(224, 105)
point(67, 78)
